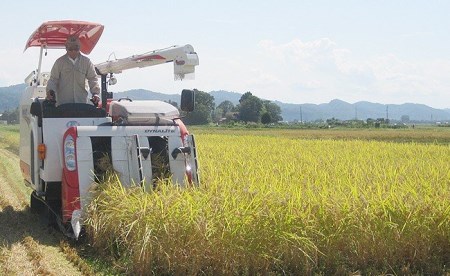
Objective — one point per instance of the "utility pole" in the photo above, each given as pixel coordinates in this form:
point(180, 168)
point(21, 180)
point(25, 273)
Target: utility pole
point(387, 113)
point(301, 115)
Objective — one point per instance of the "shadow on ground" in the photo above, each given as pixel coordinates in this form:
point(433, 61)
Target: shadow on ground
point(15, 225)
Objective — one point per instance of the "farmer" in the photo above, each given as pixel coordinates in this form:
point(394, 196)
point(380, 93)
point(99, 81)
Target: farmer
point(67, 83)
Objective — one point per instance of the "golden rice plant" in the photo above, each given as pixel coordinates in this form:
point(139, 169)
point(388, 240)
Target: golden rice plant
point(277, 205)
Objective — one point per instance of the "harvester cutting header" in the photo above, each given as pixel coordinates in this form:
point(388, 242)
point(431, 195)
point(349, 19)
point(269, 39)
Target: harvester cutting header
point(64, 147)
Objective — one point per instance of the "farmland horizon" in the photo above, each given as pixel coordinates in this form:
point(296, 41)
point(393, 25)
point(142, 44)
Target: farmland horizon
point(335, 108)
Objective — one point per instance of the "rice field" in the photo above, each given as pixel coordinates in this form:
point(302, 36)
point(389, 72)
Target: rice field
point(9, 136)
point(273, 203)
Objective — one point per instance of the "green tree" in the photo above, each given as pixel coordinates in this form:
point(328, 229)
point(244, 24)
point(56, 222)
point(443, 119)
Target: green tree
point(217, 115)
point(370, 121)
point(273, 110)
point(245, 96)
point(226, 106)
point(250, 108)
point(204, 107)
point(266, 118)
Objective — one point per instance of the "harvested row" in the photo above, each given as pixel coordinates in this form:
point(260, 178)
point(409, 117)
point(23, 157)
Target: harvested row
point(27, 246)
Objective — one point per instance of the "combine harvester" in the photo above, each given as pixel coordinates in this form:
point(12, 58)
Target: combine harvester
point(65, 149)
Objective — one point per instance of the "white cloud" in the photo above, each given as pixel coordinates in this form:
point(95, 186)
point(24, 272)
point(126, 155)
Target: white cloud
point(305, 55)
point(334, 72)
point(258, 79)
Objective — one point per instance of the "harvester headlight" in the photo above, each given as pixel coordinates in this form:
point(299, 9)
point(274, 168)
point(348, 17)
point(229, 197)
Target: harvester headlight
point(69, 153)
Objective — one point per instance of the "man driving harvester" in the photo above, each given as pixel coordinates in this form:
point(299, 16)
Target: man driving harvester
point(67, 83)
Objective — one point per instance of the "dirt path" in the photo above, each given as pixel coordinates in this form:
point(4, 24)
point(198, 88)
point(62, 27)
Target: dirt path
point(27, 245)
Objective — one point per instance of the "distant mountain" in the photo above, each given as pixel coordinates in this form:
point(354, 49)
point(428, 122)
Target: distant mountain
point(307, 112)
point(10, 97)
point(361, 110)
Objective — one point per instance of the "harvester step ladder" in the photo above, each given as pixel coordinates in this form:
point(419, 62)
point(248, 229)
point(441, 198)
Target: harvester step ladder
point(140, 151)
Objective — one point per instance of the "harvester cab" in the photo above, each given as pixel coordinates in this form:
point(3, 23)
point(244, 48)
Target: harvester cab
point(65, 149)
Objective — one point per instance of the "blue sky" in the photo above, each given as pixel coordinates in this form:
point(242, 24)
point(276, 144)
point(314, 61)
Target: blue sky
point(388, 52)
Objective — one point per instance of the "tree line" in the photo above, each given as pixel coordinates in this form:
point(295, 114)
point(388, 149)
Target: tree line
point(250, 109)
point(11, 117)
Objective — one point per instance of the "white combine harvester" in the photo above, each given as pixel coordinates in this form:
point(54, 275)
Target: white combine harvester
point(63, 149)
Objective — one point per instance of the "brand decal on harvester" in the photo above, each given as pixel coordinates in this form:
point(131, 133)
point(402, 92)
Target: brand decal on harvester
point(167, 130)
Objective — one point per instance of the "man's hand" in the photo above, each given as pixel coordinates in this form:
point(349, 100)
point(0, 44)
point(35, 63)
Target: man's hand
point(95, 99)
point(51, 96)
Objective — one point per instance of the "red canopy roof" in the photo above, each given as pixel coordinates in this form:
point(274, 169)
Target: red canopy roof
point(53, 34)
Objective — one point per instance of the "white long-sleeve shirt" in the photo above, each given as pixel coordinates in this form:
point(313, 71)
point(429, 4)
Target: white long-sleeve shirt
point(68, 79)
